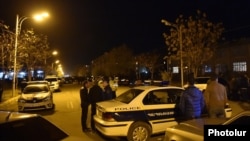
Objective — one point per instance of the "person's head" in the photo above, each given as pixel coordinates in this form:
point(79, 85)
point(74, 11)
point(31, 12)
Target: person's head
point(191, 79)
point(86, 84)
point(214, 77)
point(105, 82)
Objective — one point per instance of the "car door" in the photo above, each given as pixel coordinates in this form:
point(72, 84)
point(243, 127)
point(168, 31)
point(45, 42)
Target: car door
point(159, 106)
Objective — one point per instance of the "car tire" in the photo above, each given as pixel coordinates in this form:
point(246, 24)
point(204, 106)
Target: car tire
point(139, 131)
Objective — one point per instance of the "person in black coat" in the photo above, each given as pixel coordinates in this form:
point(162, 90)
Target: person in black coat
point(96, 95)
point(85, 102)
point(108, 93)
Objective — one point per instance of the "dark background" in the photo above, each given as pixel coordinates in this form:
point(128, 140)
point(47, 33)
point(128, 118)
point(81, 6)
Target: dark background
point(81, 30)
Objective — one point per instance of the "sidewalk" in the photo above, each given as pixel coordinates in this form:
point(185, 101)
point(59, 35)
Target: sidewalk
point(8, 98)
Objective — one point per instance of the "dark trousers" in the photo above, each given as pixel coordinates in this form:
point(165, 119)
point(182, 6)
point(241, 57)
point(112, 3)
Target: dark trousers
point(84, 115)
point(93, 112)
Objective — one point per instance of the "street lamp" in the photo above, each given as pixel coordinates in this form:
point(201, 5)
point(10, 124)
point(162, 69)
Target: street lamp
point(179, 30)
point(19, 21)
point(52, 66)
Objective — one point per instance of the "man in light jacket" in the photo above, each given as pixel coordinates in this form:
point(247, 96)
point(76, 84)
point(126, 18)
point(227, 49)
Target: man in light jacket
point(215, 98)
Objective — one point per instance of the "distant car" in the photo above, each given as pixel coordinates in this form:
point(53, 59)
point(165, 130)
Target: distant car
point(54, 82)
point(16, 126)
point(35, 97)
point(193, 130)
point(138, 112)
point(68, 80)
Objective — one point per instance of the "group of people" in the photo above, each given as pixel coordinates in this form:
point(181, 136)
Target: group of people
point(90, 94)
point(193, 102)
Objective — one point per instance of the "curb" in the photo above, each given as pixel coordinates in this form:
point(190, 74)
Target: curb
point(5, 104)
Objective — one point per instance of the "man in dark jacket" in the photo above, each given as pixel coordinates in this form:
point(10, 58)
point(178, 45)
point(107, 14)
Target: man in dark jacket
point(192, 101)
point(108, 92)
point(85, 102)
point(96, 95)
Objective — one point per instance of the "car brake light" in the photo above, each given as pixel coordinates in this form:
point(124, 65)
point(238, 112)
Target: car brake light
point(108, 117)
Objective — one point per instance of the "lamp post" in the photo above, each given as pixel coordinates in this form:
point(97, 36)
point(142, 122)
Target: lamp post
point(19, 21)
point(179, 30)
point(52, 66)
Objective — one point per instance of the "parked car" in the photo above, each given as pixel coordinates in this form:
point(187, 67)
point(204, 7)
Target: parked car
point(36, 97)
point(16, 126)
point(193, 130)
point(54, 82)
point(25, 83)
point(138, 112)
point(200, 82)
point(68, 80)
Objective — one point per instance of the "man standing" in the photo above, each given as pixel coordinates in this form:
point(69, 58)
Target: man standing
point(215, 98)
point(192, 101)
point(96, 95)
point(85, 102)
point(108, 92)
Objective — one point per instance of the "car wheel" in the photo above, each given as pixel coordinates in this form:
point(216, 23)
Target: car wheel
point(139, 131)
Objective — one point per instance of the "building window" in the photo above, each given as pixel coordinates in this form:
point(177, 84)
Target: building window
point(207, 69)
point(175, 69)
point(240, 66)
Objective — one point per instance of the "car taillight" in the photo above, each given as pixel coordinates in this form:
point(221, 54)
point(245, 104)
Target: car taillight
point(108, 117)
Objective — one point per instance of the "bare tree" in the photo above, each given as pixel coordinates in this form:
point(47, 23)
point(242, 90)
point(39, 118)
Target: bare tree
point(31, 50)
point(118, 61)
point(199, 38)
point(149, 60)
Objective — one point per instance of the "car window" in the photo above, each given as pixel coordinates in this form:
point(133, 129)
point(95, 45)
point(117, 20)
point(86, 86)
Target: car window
point(129, 95)
point(167, 96)
point(51, 79)
point(241, 121)
point(35, 89)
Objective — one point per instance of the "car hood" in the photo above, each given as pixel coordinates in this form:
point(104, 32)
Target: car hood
point(197, 125)
point(115, 106)
point(34, 95)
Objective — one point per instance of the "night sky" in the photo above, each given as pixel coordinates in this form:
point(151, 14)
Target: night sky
point(82, 30)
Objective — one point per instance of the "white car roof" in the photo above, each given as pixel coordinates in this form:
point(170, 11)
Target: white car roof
point(155, 87)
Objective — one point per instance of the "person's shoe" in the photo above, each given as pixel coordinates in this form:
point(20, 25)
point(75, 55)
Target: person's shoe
point(86, 130)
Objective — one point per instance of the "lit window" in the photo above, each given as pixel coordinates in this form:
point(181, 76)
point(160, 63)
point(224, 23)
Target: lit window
point(207, 68)
point(240, 66)
point(175, 69)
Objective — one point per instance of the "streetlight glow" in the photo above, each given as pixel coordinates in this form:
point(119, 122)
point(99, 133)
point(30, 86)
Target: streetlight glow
point(19, 22)
point(179, 30)
point(40, 17)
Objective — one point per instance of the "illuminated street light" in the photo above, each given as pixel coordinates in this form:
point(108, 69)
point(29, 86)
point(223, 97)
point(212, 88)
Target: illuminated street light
point(56, 62)
point(54, 53)
point(179, 30)
point(19, 21)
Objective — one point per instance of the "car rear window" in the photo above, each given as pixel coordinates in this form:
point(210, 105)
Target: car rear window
point(51, 79)
point(201, 80)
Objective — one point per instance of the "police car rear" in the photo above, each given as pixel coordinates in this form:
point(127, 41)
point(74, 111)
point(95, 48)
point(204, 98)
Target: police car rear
point(138, 112)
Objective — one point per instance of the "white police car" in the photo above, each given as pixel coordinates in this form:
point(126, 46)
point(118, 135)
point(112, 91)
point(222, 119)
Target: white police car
point(138, 112)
